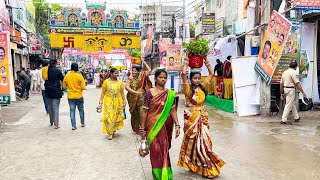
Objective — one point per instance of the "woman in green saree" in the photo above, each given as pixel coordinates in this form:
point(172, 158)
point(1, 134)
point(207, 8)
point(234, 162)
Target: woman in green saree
point(136, 87)
point(158, 115)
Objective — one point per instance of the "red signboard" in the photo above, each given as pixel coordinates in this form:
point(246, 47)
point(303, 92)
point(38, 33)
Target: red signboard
point(15, 34)
point(307, 4)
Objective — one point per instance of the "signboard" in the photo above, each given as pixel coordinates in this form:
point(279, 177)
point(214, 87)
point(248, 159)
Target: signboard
point(307, 4)
point(30, 15)
point(304, 64)
point(94, 43)
point(163, 47)
point(272, 46)
point(291, 50)
point(219, 27)
point(18, 12)
point(174, 57)
point(4, 68)
point(75, 30)
point(208, 22)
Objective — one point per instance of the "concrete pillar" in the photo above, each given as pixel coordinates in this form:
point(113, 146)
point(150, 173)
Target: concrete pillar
point(1, 119)
point(265, 91)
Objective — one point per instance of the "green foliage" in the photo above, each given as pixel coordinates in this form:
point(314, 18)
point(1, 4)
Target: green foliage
point(42, 18)
point(56, 7)
point(135, 53)
point(198, 47)
point(42, 24)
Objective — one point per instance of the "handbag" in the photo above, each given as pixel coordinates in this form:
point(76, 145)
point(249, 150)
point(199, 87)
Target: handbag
point(144, 148)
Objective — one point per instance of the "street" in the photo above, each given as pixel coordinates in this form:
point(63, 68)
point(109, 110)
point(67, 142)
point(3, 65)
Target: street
point(252, 148)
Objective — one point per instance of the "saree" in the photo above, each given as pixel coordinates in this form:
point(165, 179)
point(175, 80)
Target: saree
point(113, 117)
point(159, 127)
point(196, 150)
point(135, 101)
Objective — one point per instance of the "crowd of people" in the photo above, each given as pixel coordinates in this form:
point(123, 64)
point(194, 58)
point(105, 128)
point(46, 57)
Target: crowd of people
point(153, 111)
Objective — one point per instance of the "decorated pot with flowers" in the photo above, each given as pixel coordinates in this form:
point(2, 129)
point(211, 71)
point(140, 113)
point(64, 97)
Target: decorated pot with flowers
point(135, 56)
point(197, 51)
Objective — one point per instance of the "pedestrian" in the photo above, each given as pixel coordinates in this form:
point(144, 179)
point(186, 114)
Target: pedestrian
point(196, 128)
point(159, 113)
point(39, 78)
point(290, 80)
point(34, 79)
point(227, 70)
point(137, 86)
point(41, 82)
point(97, 78)
point(26, 84)
point(75, 84)
point(54, 92)
point(218, 68)
point(112, 97)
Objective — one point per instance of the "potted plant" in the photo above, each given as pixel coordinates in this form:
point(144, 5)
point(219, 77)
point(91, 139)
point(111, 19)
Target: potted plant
point(135, 56)
point(197, 50)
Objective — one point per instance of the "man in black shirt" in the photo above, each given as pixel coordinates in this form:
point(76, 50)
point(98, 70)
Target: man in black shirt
point(25, 85)
point(54, 92)
point(218, 68)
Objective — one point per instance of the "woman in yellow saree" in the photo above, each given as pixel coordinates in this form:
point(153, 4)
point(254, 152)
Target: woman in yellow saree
point(136, 87)
point(196, 149)
point(157, 118)
point(112, 96)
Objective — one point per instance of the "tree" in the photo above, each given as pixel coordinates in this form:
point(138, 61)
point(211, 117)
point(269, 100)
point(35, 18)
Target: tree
point(56, 7)
point(42, 20)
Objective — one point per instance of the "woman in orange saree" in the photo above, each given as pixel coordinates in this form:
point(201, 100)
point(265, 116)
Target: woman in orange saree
point(156, 125)
point(196, 149)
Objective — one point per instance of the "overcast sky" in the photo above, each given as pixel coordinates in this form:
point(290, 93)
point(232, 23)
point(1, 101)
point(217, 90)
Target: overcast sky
point(132, 6)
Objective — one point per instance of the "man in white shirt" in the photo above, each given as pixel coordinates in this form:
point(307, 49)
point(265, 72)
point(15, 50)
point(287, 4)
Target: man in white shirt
point(41, 82)
point(34, 79)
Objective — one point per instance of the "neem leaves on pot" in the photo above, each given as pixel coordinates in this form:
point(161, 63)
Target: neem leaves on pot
point(197, 50)
point(136, 55)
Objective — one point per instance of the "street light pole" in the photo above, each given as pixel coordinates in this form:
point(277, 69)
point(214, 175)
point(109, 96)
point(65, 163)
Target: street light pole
point(184, 22)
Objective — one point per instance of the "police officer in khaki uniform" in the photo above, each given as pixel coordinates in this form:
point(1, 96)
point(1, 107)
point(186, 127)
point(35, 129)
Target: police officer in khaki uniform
point(289, 81)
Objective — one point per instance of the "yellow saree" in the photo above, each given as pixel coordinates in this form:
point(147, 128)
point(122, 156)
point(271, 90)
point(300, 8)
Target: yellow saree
point(196, 149)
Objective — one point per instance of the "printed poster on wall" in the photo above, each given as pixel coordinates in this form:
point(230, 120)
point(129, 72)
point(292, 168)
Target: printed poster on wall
point(272, 46)
point(163, 47)
point(174, 57)
point(4, 69)
point(304, 64)
point(291, 51)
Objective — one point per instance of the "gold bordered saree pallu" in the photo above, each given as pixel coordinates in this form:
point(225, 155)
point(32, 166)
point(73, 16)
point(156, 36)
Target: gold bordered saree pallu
point(159, 127)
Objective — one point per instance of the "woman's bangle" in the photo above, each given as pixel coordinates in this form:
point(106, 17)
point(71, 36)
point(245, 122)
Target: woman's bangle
point(178, 126)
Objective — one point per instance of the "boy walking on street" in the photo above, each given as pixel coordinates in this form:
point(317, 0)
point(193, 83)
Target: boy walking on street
point(75, 84)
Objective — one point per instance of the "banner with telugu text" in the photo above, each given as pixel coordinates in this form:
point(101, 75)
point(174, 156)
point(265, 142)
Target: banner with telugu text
point(4, 68)
point(272, 46)
point(94, 43)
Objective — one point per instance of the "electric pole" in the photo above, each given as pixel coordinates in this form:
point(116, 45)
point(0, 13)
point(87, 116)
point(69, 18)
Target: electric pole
point(172, 30)
point(184, 22)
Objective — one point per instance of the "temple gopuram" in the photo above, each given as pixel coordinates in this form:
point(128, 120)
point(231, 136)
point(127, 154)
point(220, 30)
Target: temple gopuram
point(97, 30)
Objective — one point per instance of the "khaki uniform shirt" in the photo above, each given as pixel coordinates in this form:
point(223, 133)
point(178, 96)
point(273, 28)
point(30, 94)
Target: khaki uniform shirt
point(290, 78)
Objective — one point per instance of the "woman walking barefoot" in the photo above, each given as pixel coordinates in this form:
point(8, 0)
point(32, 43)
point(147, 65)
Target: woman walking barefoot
point(136, 87)
point(196, 149)
point(157, 117)
point(112, 96)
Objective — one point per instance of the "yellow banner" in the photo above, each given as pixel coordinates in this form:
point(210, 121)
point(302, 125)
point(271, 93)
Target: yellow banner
point(125, 42)
point(94, 43)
